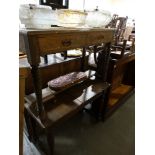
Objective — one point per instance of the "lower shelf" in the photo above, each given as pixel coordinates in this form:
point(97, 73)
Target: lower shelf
point(118, 94)
point(69, 102)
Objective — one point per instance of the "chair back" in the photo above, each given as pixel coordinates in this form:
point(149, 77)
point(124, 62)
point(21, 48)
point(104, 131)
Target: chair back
point(119, 23)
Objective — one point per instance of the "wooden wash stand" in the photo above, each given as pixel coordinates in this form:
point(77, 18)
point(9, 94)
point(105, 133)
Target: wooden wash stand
point(37, 43)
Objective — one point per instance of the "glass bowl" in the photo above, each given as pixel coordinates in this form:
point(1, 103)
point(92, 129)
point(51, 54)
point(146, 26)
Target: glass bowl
point(37, 16)
point(98, 18)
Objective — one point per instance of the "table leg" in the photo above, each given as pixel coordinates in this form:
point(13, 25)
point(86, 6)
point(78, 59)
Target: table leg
point(95, 53)
point(65, 55)
point(46, 59)
point(38, 90)
point(50, 141)
point(46, 143)
point(104, 104)
point(83, 59)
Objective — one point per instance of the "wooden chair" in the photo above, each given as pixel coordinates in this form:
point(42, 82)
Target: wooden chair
point(130, 37)
point(124, 42)
point(113, 22)
point(119, 23)
point(119, 51)
point(93, 56)
point(122, 52)
point(116, 52)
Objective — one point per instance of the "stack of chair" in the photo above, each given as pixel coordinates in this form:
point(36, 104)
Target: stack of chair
point(122, 59)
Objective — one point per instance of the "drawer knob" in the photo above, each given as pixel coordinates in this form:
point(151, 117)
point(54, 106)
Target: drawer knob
point(66, 42)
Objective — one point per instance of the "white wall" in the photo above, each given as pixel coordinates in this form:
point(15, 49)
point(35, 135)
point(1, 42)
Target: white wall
point(29, 1)
point(121, 7)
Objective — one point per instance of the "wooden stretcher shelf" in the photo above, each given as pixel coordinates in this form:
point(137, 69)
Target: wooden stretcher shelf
point(40, 43)
point(48, 94)
point(70, 101)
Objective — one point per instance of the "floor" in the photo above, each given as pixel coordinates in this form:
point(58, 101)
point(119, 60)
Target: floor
point(82, 135)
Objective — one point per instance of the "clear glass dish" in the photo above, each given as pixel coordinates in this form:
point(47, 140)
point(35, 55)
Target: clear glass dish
point(98, 18)
point(37, 16)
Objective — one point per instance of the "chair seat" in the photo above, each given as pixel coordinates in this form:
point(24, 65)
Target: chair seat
point(91, 61)
point(128, 44)
point(117, 54)
point(74, 53)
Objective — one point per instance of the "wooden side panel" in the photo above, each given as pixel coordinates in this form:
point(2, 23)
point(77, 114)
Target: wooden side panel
point(22, 76)
point(118, 76)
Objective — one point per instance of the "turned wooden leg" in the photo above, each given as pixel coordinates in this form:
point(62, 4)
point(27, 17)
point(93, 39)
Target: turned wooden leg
point(65, 55)
point(99, 106)
point(107, 61)
point(95, 53)
point(50, 140)
point(95, 108)
point(38, 90)
point(83, 59)
point(46, 59)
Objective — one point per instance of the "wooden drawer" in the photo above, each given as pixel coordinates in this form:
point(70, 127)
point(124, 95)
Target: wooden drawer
point(60, 42)
point(99, 37)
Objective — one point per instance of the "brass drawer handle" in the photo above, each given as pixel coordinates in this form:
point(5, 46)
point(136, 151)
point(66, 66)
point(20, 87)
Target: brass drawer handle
point(66, 42)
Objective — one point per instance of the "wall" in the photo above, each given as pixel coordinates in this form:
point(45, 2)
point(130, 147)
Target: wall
point(29, 1)
point(121, 7)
